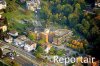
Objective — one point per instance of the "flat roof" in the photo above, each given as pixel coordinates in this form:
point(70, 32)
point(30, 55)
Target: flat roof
point(61, 32)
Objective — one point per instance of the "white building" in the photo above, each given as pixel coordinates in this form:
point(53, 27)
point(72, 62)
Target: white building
point(2, 4)
point(4, 28)
point(23, 38)
point(47, 31)
point(13, 33)
point(32, 4)
point(30, 45)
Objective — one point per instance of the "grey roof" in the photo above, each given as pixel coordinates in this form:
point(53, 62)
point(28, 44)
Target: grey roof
point(2, 2)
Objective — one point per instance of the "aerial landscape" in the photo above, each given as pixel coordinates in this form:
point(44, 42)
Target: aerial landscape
point(49, 32)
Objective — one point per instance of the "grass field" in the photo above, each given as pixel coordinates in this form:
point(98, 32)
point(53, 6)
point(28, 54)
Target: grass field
point(14, 17)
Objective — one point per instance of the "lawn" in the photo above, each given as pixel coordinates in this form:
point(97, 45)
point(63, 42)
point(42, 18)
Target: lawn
point(14, 17)
point(19, 14)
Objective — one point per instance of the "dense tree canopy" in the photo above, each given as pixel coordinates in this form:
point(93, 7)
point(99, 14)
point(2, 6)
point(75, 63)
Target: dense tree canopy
point(71, 14)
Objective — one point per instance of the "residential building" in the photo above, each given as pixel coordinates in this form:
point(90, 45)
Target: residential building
point(61, 35)
point(13, 33)
point(23, 38)
point(51, 36)
point(32, 4)
point(44, 36)
point(46, 31)
point(20, 41)
point(2, 4)
point(8, 39)
point(30, 45)
point(3, 28)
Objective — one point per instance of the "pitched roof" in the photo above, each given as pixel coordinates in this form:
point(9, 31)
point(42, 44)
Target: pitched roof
point(29, 42)
point(13, 31)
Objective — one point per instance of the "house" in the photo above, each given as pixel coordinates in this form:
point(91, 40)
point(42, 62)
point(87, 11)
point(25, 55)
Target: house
point(23, 38)
point(51, 36)
point(13, 33)
point(61, 35)
point(20, 41)
point(2, 4)
point(46, 31)
point(3, 28)
point(32, 4)
point(48, 47)
point(29, 46)
point(8, 39)
point(45, 35)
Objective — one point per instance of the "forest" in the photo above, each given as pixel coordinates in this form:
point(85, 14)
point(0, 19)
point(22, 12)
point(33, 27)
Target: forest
point(76, 15)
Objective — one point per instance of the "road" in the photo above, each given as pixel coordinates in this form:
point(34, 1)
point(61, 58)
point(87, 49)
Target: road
point(23, 61)
point(20, 59)
point(24, 54)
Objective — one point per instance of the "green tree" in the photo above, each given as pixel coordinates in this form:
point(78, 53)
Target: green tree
point(40, 49)
point(67, 9)
point(41, 41)
point(79, 28)
point(63, 20)
point(73, 19)
point(52, 51)
point(32, 36)
point(11, 5)
point(45, 12)
point(77, 8)
point(60, 52)
point(86, 24)
point(95, 30)
point(38, 53)
point(59, 8)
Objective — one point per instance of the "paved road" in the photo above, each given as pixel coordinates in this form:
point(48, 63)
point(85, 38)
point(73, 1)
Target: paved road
point(24, 54)
point(20, 59)
point(23, 61)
